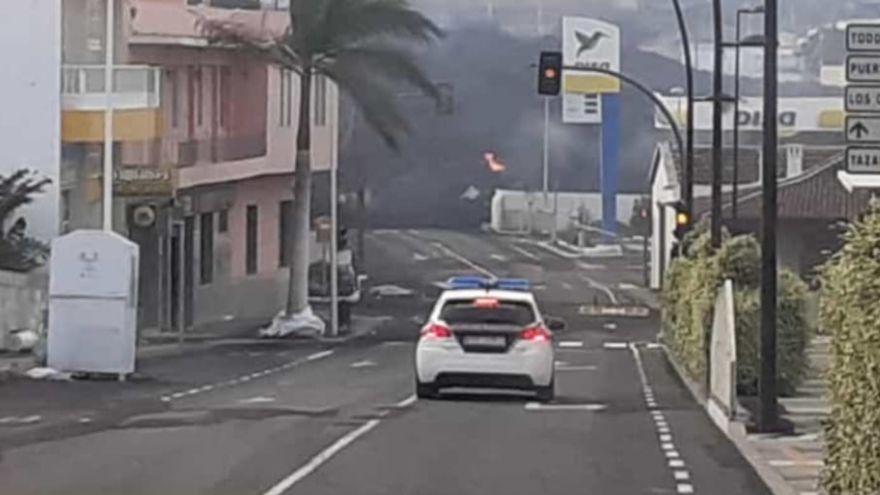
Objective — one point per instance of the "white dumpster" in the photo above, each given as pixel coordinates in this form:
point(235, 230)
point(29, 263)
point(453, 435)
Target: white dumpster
point(93, 284)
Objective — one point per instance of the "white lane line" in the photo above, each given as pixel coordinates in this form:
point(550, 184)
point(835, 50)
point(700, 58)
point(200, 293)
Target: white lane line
point(576, 368)
point(363, 364)
point(681, 475)
point(667, 446)
point(537, 406)
point(615, 345)
point(604, 288)
point(666, 437)
point(672, 454)
point(319, 355)
point(419, 257)
point(792, 463)
point(625, 286)
point(326, 454)
point(676, 463)
point(257, 400)
point(570, 344)
point(498, 257)
point(567, 286)
point(685, 488)
point(452, 254)
point(525, 253)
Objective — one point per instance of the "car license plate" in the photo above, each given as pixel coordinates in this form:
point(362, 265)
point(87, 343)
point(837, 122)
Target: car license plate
point(484, 341)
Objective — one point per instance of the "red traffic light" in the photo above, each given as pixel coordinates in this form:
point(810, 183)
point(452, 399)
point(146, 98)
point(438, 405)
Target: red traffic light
point(550, 73)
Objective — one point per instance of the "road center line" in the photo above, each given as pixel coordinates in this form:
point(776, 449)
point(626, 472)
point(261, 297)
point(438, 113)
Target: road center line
point(525, 253)
point(452, 254)
point(326, 454)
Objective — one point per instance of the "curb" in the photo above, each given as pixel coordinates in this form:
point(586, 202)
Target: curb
point(735, 431)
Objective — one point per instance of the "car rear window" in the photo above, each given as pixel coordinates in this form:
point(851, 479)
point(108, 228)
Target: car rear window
point(487, 311)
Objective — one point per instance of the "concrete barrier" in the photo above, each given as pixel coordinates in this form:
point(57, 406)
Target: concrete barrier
point(22, 304)
point(722, 354)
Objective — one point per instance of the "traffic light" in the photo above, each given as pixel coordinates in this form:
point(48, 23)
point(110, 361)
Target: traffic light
point(445, 99)
point(342, 238)
point(550, 73)
point(682, 221)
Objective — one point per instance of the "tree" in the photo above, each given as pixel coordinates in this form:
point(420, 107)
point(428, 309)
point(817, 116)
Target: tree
point(17, 251)
point(360, 45)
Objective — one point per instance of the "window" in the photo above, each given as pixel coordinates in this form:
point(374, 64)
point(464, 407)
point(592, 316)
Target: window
point(175, 96)
point(206, 248)
point(200, 114)
point(223, 221)
point(284, 231)
point(65, 205)
point(225, 75)
point(471, 311)
point(250, 248)
point(320, 100)
point(285, 98)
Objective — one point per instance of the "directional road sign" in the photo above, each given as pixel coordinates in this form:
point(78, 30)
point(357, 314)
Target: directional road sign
point(863, 160)
point(863, 38)
point(863, 99)
point(863, 129)
point(863, 68)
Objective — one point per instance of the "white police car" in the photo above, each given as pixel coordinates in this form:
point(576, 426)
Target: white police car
point(486, 333)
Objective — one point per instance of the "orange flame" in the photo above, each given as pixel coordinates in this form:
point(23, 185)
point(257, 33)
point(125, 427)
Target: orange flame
point(494, 163)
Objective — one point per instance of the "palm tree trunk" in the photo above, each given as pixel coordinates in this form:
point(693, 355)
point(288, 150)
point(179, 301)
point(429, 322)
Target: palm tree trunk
point(298, 284)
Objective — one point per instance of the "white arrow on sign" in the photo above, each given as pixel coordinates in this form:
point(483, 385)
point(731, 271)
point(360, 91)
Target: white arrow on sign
point(861, 129)
point(863, 68)
point(863, 37)
point(863, 160)
point(862, 99)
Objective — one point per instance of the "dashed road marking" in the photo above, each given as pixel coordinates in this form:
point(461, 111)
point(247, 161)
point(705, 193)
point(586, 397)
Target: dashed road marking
point(568, 367)
point(537, 406)
point(685, 488)
point(664, 435)
point(244, 378)
point(363, 364)
point(615, 345)
point(498, 257)
point(570, 344)
point(567, 286)
point(795, 463)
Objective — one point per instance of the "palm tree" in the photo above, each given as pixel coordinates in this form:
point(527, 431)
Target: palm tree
point(17, 251)
point(360, 45)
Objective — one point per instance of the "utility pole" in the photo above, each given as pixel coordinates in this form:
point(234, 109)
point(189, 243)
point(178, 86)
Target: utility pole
point(109, 42)
point(717, 156)
point(546, 151)
point(767, 410)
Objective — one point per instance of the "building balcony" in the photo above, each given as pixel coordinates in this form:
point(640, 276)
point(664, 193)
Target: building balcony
point(221, 149)
point(136, 102)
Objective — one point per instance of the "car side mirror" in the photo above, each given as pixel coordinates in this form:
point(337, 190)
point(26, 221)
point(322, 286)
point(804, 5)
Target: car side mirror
point(556, 324)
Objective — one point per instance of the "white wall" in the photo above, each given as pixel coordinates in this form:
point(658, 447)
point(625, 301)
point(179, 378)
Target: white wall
point(511, 210)
point(663, 192)
point(30, 129)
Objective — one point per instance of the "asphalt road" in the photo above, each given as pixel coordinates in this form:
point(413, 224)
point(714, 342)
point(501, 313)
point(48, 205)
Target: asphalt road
point(299, 417)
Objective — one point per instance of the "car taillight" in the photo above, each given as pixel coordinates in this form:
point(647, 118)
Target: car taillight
point(536, 334)
point(436, 331)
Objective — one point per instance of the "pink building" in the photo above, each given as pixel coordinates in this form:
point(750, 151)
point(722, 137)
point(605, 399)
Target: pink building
point(212, 249)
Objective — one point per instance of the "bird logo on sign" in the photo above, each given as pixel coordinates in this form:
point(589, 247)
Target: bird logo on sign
point(588, 42)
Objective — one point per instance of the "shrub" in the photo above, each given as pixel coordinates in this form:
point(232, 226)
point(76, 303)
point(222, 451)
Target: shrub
point(850, 313)
point(689, 303)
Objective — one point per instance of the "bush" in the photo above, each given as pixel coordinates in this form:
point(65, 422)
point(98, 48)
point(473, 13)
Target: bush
point(850, 313)
point(688, 298)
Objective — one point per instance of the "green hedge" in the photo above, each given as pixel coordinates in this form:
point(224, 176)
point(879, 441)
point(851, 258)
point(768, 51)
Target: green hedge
point(851, 314)
point(688, 305)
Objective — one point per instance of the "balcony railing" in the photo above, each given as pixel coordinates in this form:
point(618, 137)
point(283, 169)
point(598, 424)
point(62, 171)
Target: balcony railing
point(134, 87)
point(225, 149)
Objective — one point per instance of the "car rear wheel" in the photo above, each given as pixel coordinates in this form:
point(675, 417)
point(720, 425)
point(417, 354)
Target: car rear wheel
point(546, 394)
point(426, 391)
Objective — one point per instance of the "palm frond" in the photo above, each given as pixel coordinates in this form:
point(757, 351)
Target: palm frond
point(388, 64)
point(375, 99)
point(351, 23)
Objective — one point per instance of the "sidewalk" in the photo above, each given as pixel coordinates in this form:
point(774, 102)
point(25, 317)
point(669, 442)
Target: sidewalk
point(155, 343)
point(790, 464)
point(797, 458)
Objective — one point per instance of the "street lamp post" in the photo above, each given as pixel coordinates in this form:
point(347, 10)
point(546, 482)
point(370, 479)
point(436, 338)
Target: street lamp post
point(107, 213)
point(740, 43)
point(717, 156)
point(767, 410)
point(688, 182)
